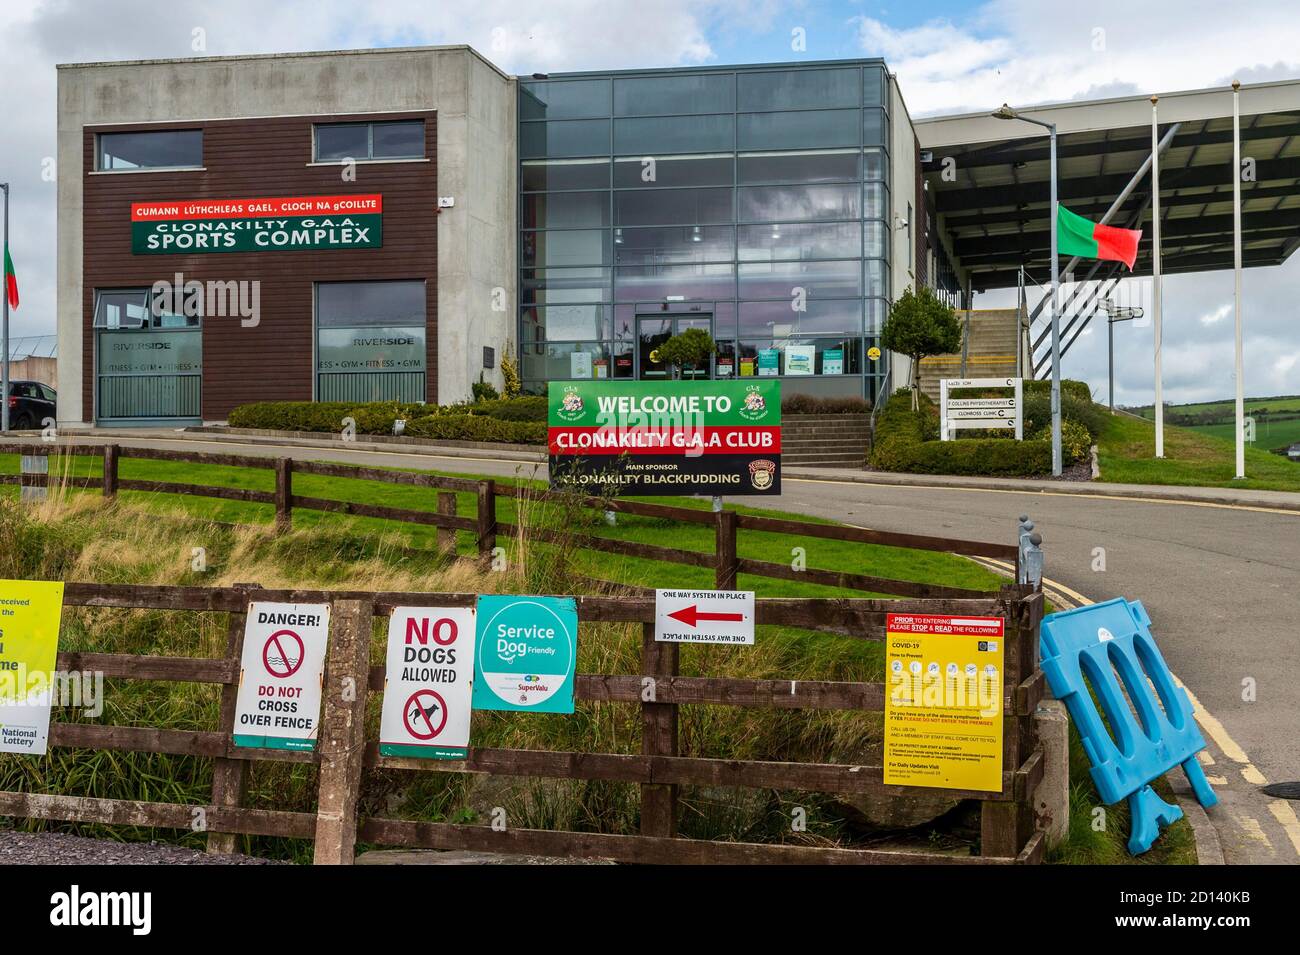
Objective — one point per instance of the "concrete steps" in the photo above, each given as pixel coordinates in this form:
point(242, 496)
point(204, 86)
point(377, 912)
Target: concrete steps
point(826, 441)
point(990, 352)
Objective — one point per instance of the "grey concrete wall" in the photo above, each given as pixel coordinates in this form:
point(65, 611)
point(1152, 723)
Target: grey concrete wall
point(902, 190)
point(476, 133)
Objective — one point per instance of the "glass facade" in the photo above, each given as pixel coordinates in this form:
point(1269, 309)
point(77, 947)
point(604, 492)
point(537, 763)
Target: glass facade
point(748, 201)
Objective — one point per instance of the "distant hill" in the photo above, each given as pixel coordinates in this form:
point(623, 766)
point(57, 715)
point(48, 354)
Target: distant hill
point(1277, 418)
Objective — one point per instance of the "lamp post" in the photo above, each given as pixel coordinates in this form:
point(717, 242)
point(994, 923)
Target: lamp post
point(1006, 112)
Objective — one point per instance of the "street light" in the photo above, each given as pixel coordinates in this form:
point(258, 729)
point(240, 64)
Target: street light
point(1116, 313)
point(1006, 112)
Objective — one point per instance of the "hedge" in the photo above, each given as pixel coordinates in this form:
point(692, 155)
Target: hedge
point(906, 440)
point(512, 421)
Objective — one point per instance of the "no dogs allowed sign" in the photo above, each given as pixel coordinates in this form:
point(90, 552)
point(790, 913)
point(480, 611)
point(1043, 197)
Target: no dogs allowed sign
point(278, 706)
point(427, 691)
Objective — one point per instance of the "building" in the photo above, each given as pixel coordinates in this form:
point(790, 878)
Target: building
point(388, 224)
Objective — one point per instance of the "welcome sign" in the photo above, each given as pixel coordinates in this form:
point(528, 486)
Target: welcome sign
point(666, 437)
point(282, 224)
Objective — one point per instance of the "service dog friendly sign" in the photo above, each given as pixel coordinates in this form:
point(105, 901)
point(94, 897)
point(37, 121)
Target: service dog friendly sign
point(525, 654)
point(666, 437)
point(280, 224)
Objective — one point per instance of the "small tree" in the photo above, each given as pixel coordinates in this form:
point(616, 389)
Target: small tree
point(691, 348)
point(920, 325)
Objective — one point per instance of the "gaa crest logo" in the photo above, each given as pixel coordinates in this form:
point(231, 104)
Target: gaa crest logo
point(762, 473)
point(571, 406)
point(755, 405)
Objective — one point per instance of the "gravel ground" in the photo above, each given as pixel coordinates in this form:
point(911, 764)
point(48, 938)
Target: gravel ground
point(56, 848)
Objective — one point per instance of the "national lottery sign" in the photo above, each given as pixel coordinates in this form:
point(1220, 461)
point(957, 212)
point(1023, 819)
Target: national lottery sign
point(280, 224)
point(666, 437)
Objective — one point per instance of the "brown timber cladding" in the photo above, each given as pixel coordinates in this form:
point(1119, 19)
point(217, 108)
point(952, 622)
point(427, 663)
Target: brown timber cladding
point(261, 158)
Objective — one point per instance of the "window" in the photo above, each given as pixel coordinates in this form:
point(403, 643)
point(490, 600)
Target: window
point(564, 99)
point(802, 128)
point(370, 341)
point(800, 89)
point(766, 243)
point(351, 304)
point(571, 137)
point(565, 247)
point(634, 172)
point(780, 203)
point(161, 149)
point(672, 206)
point(674, 134)
point(798, 166)
point(402, 139)
point(141, 308)
point(549, 174)
point(659, 95)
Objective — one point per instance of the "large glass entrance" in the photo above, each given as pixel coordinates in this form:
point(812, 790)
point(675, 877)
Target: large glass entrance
point(653, 330)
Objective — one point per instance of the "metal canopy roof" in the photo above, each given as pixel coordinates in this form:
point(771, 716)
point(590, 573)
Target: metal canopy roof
point(994, 203)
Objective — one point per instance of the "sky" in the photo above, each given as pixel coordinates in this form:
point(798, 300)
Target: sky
point(949, 56)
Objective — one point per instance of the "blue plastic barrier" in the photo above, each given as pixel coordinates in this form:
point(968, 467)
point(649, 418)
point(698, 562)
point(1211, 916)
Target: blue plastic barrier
point(1107, 643)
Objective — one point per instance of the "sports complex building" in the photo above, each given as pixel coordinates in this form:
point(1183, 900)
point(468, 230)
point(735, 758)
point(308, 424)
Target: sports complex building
point(388, 224)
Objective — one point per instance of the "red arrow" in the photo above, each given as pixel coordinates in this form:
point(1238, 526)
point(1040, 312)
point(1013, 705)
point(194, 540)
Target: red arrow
point(689, 615)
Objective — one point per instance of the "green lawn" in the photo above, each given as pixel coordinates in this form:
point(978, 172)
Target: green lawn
point(1126, 454)
point(880, 561)
point(1227, 406)
point(1269, 433)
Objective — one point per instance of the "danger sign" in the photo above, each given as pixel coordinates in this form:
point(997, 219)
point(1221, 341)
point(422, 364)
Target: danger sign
point(704, 616)
point(428, 683)
point(278, 705)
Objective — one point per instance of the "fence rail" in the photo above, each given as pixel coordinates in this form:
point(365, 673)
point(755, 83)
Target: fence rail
point(484, 526)
point(344, 753)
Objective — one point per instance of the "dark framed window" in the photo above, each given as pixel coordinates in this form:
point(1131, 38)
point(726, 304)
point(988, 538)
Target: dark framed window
point(353, 304)
point(659, 95)
point(153, 149)
point(799, 89)
point(400, 139)
point(144, 308)
point(798, 128)
point(564, 99)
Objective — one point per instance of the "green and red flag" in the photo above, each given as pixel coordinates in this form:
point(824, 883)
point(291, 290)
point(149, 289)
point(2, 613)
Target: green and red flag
point(1077, 236)
point(11, 280)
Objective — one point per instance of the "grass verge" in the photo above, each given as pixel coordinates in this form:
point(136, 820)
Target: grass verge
point(1126, 455)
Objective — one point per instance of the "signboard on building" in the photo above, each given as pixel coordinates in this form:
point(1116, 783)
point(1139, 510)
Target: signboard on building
point(278, 705)
point(943, 708)
point(395, 348)
point(30, 612)
point(704, 616)
point(1003, 413)
point(280, 224)
point(427, 683)
point(525, 653)
point(666, 437)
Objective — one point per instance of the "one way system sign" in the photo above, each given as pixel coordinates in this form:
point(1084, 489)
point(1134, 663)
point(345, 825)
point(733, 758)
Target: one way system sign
point(704, 616)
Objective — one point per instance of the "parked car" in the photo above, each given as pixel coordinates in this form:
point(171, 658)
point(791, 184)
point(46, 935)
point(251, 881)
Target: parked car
point(30, 403)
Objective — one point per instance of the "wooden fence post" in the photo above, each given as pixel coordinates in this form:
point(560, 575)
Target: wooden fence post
point(229, 776)
point(658, 736)
point(447, 535)
point(343, 731)
point(725, 548)
point(110, 471)
point(1005, 827)
point(283, 494)
point(487, 519)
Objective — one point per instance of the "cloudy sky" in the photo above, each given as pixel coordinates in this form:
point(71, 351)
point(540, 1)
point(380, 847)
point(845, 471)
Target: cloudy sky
point(949, 56)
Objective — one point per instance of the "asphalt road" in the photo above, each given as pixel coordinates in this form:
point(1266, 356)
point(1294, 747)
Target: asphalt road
point(1222, 585)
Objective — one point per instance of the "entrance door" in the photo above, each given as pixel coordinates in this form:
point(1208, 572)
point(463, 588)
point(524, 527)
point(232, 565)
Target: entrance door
point(653, 330)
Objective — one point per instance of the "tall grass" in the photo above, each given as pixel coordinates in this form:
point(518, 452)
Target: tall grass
point(80, 538)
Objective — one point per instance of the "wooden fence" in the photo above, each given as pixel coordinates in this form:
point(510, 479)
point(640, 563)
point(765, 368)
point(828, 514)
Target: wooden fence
point(484, 526)
point(345, 751)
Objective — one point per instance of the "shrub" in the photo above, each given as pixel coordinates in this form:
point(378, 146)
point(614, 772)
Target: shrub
point(689, 349)
point(811, 404)
point(1038, 413)
point(477, 428)
point(483, 390)
point(1079, 390)
point(377, 417)
point(906, 441)
point(1076, 442)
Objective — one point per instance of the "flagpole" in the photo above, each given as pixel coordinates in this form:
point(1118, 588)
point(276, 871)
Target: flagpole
point(4, 335)
point(1236, 277)
point(1155, 274)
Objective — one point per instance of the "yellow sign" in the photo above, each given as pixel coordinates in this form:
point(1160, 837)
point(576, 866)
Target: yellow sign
point(943, 709)
point(873, 353)
point(30, 611)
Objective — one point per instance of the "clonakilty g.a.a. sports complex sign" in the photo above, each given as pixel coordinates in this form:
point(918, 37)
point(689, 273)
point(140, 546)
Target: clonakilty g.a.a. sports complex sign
point(666, 437)
point(280, 224)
